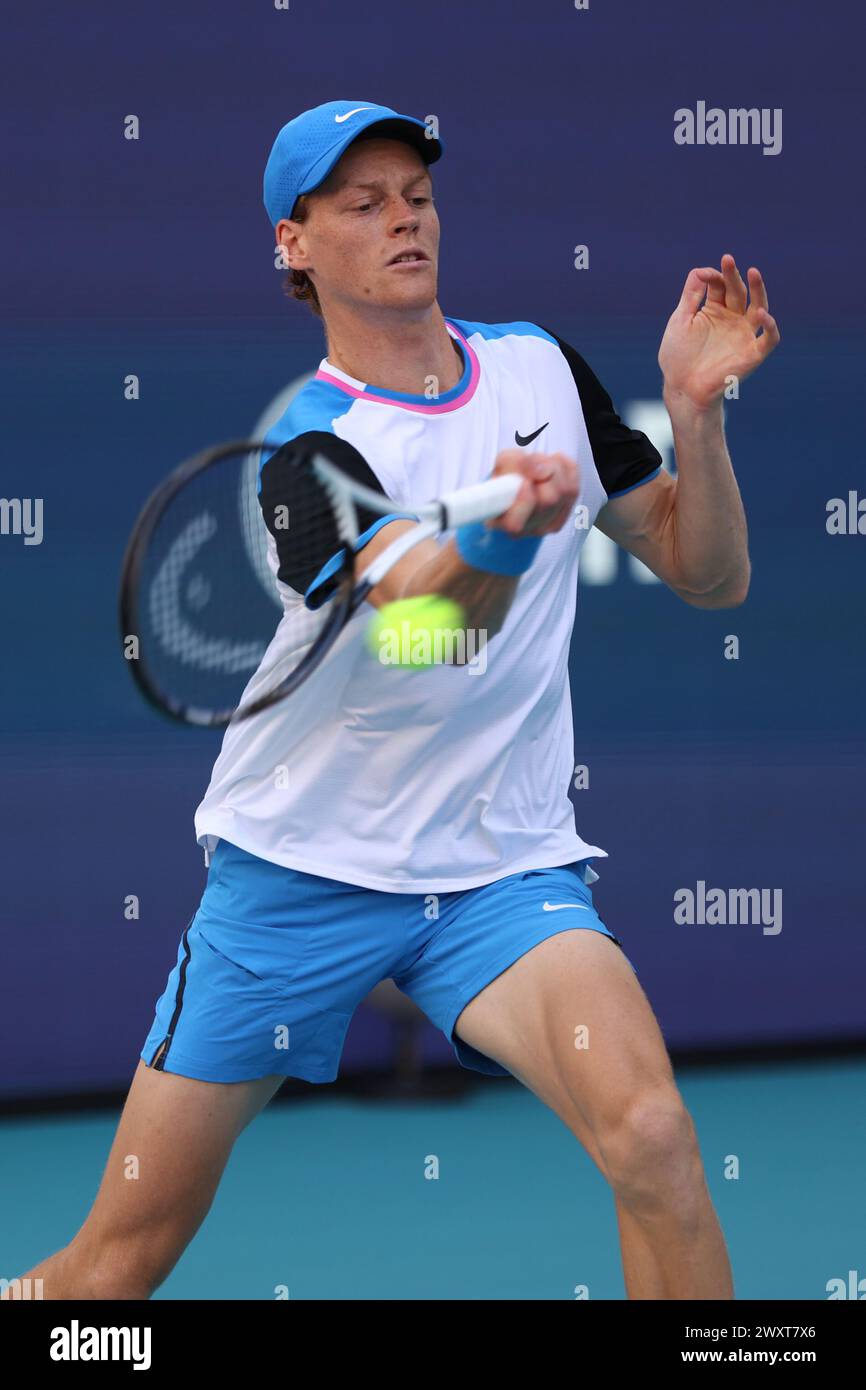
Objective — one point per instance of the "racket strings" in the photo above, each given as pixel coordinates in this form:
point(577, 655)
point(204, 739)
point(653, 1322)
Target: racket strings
point(209, 604)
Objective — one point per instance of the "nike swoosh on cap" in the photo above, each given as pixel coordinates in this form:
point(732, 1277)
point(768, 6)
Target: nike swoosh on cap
point(353, 112)
point(557, 907)
point(528, 438)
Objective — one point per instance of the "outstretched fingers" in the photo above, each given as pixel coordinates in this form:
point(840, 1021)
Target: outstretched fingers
point(770, 337)
point(758, 295)
point(736, 293)
point(693, 293)
point(715, 284)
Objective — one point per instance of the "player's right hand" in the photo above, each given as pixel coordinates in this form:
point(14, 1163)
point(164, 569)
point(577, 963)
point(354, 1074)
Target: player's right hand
point(549, 492)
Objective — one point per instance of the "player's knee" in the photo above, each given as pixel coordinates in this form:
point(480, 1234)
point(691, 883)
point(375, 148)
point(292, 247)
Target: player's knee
point(651, 1153)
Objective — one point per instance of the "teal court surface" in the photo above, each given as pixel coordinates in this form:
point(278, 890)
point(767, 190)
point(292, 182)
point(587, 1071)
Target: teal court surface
point(484, 1197)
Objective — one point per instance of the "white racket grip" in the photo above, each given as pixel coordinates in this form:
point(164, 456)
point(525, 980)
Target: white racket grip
point(481, 501)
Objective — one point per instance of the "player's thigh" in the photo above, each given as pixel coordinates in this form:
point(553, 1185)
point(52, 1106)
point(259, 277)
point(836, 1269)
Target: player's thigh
point(171, 1146)
point(570, 1020)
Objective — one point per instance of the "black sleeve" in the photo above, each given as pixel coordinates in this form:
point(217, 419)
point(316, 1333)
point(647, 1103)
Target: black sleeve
point(311, 538)
point(622, 456)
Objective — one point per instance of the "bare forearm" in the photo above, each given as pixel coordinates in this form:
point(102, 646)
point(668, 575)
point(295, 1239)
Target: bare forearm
point(709, 537)
point(485, 598)
point(483, 574)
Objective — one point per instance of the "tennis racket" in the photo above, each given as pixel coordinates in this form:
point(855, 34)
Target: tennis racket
point(205, 585)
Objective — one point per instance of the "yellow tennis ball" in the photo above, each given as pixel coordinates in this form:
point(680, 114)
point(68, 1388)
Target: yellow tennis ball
point(413, 633)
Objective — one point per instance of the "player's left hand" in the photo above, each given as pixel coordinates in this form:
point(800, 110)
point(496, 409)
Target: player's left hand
point(704, 346)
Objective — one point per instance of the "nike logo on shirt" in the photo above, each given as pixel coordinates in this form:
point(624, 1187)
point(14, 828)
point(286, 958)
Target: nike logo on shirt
point(522, 439)
point(557, 907)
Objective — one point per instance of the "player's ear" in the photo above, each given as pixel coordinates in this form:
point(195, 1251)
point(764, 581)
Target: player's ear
point(290, 242)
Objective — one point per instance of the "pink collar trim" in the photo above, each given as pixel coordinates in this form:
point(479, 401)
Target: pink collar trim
point(465, 388)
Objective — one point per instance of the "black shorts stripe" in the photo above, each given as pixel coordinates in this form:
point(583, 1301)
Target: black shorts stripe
point(157, 1061)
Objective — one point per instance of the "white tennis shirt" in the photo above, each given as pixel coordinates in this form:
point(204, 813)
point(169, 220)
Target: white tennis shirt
point(451, 776)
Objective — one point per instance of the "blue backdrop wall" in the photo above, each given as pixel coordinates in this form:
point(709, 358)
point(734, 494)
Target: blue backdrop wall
point(155, 257)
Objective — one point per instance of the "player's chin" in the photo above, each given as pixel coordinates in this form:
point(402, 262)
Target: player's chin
point(417, 291)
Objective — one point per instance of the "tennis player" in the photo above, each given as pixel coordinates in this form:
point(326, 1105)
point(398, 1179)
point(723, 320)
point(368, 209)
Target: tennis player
point(416, 826)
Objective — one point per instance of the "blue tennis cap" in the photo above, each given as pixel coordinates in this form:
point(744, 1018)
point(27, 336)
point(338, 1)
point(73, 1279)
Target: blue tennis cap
point(307, 148)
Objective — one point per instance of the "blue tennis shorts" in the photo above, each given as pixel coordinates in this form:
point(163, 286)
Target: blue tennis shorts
point(274, 963)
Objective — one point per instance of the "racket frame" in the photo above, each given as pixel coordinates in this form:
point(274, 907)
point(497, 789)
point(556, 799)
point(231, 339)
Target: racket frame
point(479, 502)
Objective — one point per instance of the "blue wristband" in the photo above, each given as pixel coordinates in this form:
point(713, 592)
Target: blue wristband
point(495, 551)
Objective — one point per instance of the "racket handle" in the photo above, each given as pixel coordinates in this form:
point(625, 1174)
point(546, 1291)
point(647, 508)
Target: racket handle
point(481, 501)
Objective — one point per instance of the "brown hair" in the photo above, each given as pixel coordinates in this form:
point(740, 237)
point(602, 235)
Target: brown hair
point(297, 283)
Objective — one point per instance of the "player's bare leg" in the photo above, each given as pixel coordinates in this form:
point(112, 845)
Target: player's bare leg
point(172, 1143)
point(618, 1096)
point(641, 1269)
